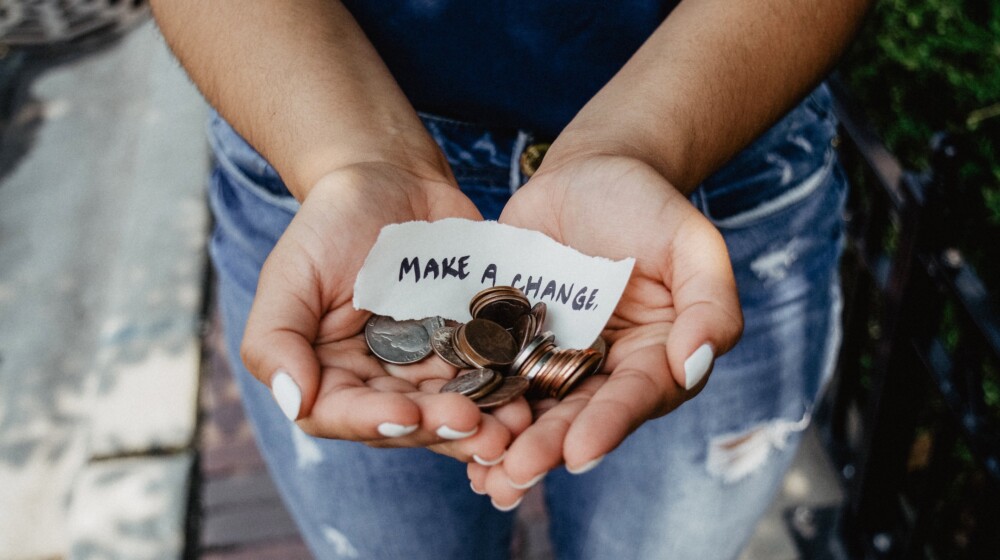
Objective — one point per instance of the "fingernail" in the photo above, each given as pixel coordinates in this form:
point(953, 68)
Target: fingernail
point(449, 433)
point(589, 466)
point(697, 365)
point(528, 484)
point(486, 463)
point(506, 508)
point(287, 393)
point(388, 429)
point(473, 486)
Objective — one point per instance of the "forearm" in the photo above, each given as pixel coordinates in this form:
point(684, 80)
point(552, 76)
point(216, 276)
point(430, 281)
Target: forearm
point(301, 82)
point(712, 77)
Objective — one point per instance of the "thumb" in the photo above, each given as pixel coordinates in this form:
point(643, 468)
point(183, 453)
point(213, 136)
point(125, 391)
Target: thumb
point(709, 321)
point(278, 341)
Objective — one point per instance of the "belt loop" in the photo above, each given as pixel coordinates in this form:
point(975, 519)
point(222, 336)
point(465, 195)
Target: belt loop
point(520, 143)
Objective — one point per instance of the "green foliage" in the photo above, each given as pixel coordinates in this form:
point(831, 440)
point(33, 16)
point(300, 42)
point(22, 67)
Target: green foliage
point(924, 66)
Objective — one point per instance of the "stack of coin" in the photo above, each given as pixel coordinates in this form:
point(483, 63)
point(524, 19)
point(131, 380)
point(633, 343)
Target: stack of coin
point(503, 346)
point(554, 371)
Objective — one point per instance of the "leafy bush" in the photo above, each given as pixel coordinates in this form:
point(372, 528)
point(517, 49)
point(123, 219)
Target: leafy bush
point(924, 66)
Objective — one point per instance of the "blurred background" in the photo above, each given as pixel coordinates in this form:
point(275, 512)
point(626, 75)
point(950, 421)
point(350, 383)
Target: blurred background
point(121, 435)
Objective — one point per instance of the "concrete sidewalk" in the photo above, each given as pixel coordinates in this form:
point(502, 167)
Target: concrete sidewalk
point(102, 234)
point(103, 226)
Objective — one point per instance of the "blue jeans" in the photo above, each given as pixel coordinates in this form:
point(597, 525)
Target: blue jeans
point(689, 485)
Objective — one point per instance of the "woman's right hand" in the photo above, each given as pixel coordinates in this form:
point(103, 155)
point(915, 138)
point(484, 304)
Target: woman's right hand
point(305, 340)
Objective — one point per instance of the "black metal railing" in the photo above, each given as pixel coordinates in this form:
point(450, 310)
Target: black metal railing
point(912, 419)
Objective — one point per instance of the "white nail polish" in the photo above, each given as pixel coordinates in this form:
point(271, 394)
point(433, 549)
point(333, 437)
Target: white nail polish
point(486, 463)
point(586, 467)
point(474, 489)
point(388, 429)
point(697, 365)
point(528, 484)
point(506, 508)
point(287, 393)
point(449, 433)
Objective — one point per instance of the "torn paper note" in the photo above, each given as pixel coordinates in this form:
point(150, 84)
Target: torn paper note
point(422, 269)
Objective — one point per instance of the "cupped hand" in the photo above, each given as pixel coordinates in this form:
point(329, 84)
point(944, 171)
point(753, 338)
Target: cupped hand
point(303, 337)
point(678, 312)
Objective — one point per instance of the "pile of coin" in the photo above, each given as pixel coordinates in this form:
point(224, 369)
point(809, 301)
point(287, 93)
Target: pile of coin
point(502, 351)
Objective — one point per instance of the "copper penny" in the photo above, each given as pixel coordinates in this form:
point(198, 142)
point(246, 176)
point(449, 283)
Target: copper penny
point(443, 345)
point(538, 312)
point(487, 343)
point(503, 312)
point(511, 388)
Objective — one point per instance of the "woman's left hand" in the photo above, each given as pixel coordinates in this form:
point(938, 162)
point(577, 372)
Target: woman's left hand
point(678, 312)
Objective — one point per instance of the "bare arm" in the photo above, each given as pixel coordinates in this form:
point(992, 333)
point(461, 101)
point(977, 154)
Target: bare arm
point(304, 85)
point(301, 82)
point(711, 78)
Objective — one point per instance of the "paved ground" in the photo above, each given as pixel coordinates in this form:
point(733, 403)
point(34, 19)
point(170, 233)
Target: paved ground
point(102, 230)
point(102, 280)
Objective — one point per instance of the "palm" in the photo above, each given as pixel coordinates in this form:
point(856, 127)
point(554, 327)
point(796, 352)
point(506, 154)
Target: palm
point(303, 319)
point(681, 285)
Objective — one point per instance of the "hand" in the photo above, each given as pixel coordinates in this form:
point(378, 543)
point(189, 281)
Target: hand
point(681, 297)
point(302, 337)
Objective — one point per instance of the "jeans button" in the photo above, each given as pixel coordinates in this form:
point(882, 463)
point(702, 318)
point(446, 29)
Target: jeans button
point(531, 158)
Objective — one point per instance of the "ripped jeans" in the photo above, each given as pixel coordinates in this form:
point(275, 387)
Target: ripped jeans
point(689, 485)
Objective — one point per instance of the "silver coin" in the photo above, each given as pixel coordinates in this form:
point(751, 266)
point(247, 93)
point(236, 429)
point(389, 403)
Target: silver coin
point(432, 324)
point(527, 351)
point(471, 382)
point(397, 342)
point(443, 345)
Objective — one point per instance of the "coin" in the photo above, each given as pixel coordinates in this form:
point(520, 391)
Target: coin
point(601, 347)
point(488, 388)
point(500, 304)
point(503, 312)
point(511, 388)
point(524, 330)
point(432, 324)
point(538, 311)
point(588, 364)
point(486, 343)
point(442, 343)
point(526, 352)
point(470, 382)
point(397, 342)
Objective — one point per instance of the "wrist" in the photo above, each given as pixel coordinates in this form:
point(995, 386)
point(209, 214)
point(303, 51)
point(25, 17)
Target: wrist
point(668, 152)
point(413, 153)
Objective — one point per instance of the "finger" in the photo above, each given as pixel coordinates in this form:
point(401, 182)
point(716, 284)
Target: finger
point(539, 448)
point(496, 485)
point(348, 408)
point(486, 447)
point(431, 367)
point(277, 343)
point(640, 388)
point(477, 477)
point(516, 416)
point(709, 320)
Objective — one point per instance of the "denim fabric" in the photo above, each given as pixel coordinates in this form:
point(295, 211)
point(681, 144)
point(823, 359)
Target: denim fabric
point(673, 489)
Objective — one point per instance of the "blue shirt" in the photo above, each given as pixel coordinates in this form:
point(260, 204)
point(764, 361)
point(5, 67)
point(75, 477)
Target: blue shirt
point(529, 65)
